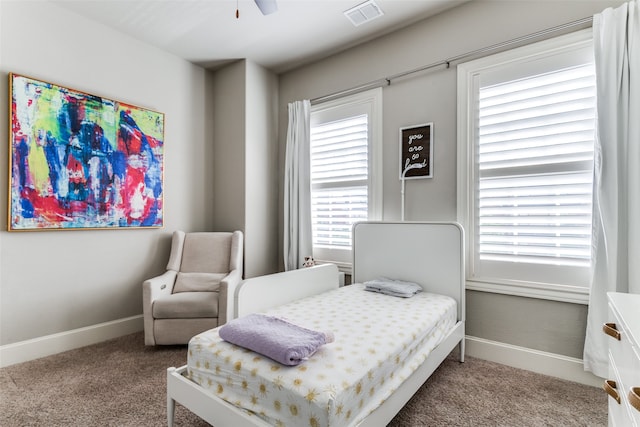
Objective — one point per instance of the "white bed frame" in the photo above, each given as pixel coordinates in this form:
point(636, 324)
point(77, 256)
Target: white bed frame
point(431, 254)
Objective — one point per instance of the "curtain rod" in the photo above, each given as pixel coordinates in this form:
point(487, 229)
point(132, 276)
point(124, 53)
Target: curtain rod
point(386, 81)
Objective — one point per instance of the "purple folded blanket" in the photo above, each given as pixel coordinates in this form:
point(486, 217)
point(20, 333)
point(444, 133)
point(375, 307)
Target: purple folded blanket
point(274, 337)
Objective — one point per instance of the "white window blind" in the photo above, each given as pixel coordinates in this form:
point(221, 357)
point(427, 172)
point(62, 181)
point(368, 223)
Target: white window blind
point(535, 157)
point(346, 178)
point(526, 131)
point(339, 179)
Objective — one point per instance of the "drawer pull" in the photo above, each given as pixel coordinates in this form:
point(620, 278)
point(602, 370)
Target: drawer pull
point(610, 387)
point(634, 397)
point(611, 330)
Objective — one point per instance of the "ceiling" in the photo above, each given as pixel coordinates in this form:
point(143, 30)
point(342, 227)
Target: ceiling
point(207, 33)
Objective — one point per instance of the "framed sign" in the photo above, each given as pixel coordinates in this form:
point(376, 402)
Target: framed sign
point(416, 151)
point(80, 161)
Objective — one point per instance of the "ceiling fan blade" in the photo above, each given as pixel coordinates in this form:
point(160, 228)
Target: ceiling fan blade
point(267, 7)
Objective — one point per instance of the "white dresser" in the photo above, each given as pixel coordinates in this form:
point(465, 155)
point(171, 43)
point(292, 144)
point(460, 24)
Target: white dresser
point(623, 384)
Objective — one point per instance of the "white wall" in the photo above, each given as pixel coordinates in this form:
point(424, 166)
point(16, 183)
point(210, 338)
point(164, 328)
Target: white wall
point(245, 113)
point(56, 281)
point(431, 97)
point(261, 174)
point(229, 98)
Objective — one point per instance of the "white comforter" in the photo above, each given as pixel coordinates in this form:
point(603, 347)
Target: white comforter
point(379, 341)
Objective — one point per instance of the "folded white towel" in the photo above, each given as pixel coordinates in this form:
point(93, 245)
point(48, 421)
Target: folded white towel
point(396, 288)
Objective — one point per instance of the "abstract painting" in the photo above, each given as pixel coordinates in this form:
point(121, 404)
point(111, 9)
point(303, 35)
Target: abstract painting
point(80, 161)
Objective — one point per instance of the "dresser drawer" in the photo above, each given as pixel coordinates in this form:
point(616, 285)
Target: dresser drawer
point(624, 359)
point(618, 414)
point(624, 353)
point(621, 411)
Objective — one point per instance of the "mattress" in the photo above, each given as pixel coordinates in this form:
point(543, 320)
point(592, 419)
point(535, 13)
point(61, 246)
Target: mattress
point(380, 340)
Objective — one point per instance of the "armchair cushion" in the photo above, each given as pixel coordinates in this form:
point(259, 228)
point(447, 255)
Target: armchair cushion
point(198, 282)
point(206, 252)
point(186, 305)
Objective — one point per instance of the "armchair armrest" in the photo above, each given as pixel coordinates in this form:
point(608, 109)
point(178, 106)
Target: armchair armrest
point(159, 285)
point(152, 289)
point(226, 303)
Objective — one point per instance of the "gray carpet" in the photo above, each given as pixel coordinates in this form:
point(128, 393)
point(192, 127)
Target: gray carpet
point(122, 383)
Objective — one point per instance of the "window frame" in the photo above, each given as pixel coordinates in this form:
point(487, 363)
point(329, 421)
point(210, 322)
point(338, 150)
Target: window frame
point(370, 103)
point(467, 170)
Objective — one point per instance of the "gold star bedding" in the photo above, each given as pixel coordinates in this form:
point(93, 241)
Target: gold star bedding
point(380, 340)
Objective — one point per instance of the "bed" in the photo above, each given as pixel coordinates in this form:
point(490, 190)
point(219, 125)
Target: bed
point(348, 382)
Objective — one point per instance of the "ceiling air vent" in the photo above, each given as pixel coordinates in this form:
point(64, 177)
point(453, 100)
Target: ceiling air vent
point(363, 12)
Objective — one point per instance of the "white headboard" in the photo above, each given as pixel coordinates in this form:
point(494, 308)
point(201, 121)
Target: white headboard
point(428, 253)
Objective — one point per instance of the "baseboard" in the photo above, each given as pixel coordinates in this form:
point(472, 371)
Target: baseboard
point(36, 348)
point(555, 365)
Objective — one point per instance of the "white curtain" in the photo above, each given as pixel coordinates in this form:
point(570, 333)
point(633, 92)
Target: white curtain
point(616, 34)
point(297, 187)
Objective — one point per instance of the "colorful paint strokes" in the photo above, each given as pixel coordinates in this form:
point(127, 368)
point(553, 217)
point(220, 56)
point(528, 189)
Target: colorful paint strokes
point(80, 161)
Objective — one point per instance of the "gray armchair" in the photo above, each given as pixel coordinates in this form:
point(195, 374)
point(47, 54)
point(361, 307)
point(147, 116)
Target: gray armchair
point(196, 293)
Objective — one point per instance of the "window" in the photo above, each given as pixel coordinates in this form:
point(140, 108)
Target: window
point(525, 168)
point(345, 172)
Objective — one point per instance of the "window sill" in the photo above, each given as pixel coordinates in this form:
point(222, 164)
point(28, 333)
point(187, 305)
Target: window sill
point(563, 293)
